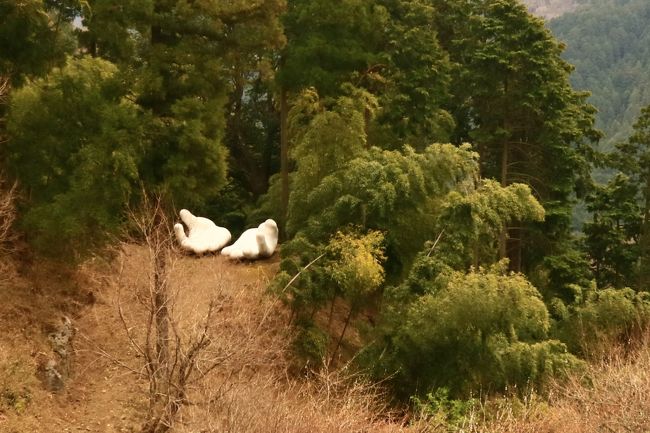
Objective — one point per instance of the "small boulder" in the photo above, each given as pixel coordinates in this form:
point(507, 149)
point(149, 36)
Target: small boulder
point(54, 371)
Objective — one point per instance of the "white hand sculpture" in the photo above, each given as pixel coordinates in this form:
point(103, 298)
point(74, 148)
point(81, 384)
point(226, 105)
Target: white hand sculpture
point(204, 235)
point(254, 243)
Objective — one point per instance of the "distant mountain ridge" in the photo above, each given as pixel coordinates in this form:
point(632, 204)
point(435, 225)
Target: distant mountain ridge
point(550, 9)
point(608, 41)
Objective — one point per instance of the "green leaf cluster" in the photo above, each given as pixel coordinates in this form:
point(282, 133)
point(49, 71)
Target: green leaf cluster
point(472, 220)
point(439, 410)
point(348, 268)
point(484, 329)
point(76, 145)
point(598, 319)
point(33, 38)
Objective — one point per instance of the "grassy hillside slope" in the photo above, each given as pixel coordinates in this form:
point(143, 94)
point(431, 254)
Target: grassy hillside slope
point(256, 388)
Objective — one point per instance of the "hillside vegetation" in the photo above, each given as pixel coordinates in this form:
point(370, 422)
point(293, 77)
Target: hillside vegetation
point(421, 160)
point(608, 42)
point(254, 390)
point(550, 9)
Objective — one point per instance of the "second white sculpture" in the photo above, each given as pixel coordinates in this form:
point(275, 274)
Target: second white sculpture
point(254, 243)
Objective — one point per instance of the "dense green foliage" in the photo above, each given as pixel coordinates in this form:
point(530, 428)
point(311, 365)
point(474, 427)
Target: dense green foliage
point(422, 158)
point(599, 318)
point(155, 115)
point(618, 237)
point(514, 102)
point(30, 43)
point(82, 171)
point(484, 329)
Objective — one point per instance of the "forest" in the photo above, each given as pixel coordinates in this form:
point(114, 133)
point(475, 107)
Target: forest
point(422, 160)
point(607, 41)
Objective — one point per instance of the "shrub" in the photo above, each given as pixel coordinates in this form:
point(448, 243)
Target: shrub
point(601, 318)
point(441, 411)
point(478, 331)
point(75, 143)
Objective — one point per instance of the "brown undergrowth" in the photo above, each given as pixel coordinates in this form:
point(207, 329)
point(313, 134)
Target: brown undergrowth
point(612, 395)
point(254, 389)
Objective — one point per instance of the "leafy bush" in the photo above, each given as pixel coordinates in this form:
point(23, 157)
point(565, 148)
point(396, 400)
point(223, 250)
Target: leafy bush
point(310, 344)
point(481, 330)
point(441, 411)
point(75, 146)
point(600, 318)
point(348, 268)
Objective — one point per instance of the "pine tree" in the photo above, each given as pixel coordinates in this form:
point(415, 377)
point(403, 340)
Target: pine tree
point(76, 144)
point(34, 37)
point(612, 237)
point(411, 79)
point(514, 101)
point(183, 61)
point(639, 146)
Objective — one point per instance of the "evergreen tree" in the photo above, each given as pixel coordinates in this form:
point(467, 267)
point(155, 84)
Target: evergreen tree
point(618, 239)
point(184, 61)
point(174, 63)
point(387, 47)
point(76, 144)
point(34, 37)
point(412, 80)
point(513, 100)
point(612, 237)
point(637, 152)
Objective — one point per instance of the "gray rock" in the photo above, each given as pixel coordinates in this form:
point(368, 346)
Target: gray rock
point(55, 371)
point(53, 379)
point(62, 339)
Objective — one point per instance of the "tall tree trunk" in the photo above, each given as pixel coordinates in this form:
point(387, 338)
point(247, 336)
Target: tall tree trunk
point(284, 159)
point(345, 328)
point(503, 236)
point(644, 242)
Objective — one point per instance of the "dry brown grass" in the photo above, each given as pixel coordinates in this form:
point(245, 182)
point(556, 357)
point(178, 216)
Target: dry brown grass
point(612, 396)
point(252, 390)
point(265, 402)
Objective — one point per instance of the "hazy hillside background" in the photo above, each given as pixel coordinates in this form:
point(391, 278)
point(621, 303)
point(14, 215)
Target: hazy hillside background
point(608, 41)
point(552, 8)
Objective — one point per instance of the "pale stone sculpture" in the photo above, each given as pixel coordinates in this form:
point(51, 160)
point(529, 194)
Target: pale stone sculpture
point(204, 236)
point(254, 243)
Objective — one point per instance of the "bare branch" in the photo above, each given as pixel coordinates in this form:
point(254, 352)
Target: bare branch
point(8, 197)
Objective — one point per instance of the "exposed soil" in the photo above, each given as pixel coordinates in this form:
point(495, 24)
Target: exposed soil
point(101, 395)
